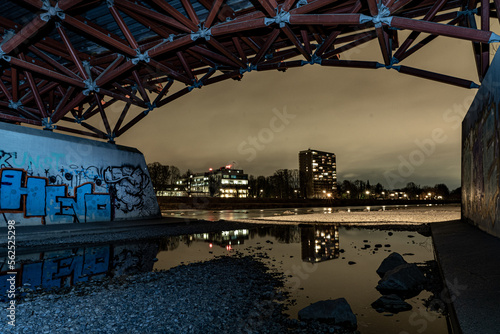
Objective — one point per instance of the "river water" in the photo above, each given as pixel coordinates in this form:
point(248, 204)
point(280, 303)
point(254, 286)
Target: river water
point(317, 261)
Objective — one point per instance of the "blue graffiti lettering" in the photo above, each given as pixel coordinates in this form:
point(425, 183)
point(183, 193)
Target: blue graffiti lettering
point(36, 198)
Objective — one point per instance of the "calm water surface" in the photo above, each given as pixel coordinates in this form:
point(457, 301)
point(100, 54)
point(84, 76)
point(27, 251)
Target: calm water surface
point(315, 260)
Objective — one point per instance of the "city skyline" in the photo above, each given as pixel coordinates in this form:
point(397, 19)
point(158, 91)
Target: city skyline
point(383, 126)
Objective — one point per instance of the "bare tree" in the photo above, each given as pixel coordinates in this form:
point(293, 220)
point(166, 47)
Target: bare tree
point(159, 176)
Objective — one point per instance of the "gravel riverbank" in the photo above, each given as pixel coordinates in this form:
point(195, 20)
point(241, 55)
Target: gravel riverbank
point(225, 295)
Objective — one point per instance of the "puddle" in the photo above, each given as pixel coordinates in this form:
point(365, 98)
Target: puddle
point(320, 262)
point(316, 260)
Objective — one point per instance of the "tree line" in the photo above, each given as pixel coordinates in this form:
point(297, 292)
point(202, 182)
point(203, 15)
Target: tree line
point(360, 190)
point(285, 184)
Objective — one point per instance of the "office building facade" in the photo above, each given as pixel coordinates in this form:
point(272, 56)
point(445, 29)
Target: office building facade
point(318, 174)
point(223, 182)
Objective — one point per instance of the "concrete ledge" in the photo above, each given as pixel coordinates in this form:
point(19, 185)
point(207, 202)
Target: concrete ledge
point(471, 269)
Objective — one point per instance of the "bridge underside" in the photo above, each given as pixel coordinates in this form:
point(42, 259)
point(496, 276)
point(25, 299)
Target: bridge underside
point(65, 64)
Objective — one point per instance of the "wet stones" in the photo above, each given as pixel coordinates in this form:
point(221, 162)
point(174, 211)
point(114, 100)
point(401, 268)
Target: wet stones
point(389, 263)
point(400, 280)
point(405, 279)
point(337, 312)
point(391, 303)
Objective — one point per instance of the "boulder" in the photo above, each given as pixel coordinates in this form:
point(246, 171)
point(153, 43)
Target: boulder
point(391, 303)
point(337, 312)
point(391, 262)
point(404, 279)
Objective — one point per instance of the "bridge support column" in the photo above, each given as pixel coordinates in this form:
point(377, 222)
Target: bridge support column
point(481, 155)
point(50, 178)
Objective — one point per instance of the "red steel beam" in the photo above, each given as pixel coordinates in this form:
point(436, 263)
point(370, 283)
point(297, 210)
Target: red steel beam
point(269, 7)
point(185, 65)
point(147, 13)
point(414, 34)
point(34, 90)
point(485, 47)
point(140, 87)
point(442, 29)
point(238, 47)
point(80, 132)
point(213, 12)
point(103, 113)
point(24, 34)
point(20, 119)
point(173, 97)
point(235, 27)
point(213, 55)
point(123, 27)
point(324, 19)
point(170, 10)
point(53, 63)
point(63, 110)
point(48, 73)
point(292, 37)
point(14, 84)
point(436, 77)
point(71, 51)
point(170, 72)
point(190, 11)
point(123, 114)
point(269, 41)
point(79, 25)
point(213, 42)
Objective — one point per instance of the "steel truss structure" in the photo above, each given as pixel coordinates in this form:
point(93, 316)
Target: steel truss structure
point(65, 63)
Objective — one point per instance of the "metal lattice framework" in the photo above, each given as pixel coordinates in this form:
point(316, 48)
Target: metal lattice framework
point(65, 63)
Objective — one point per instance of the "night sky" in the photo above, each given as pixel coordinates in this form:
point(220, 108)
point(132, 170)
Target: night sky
point(383, 126)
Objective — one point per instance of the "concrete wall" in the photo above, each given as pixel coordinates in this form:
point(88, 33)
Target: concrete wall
point(481, 156)
point(50, 178)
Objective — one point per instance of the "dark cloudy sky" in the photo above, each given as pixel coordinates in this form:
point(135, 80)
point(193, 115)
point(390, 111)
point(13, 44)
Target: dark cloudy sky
point(383, 126)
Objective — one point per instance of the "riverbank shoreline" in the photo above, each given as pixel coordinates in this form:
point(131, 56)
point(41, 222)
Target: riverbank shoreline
point(217, 203)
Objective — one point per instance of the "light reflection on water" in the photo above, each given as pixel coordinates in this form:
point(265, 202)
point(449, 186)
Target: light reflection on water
point(319, 262)
point(315, 260)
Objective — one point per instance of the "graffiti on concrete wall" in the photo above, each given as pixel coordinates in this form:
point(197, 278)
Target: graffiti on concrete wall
point(481, 165)
point(128, 186)
point(481, 155)
point(73, 194)
point(34, 197)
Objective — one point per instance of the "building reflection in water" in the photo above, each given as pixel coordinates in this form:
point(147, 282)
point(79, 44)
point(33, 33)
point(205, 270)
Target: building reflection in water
point(224, 239)
point(320, 243)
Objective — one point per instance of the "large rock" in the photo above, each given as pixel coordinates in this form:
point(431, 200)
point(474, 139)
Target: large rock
point(391, 303)
point(337, 312)
point(391, 262)
point(404, 279)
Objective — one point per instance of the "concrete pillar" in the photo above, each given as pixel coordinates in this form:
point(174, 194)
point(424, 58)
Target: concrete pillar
point(481, 155)
point(51, 178)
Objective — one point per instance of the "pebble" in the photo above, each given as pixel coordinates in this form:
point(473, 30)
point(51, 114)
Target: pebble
point(208, 297)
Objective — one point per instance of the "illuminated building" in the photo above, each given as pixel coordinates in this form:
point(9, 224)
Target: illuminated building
point(318, 174)
point(223, 182)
